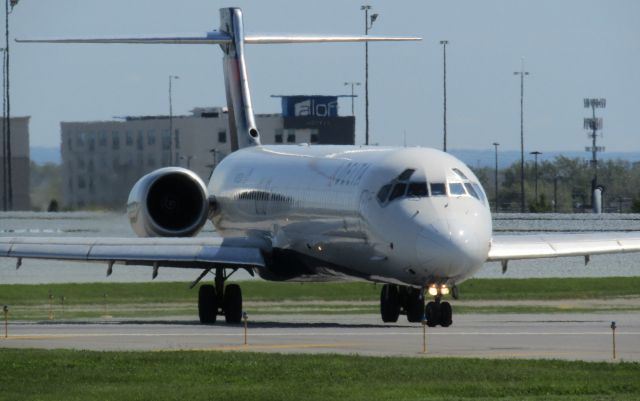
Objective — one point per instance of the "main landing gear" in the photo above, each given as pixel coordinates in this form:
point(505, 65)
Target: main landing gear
point(396, 300)
point(218, 299)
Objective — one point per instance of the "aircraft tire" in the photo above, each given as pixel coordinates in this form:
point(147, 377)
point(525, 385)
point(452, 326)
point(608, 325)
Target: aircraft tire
point(446, 314)
point(415, 306)
point(432, 312)
point(232, 304)
point(390, 303)
point(207, 304)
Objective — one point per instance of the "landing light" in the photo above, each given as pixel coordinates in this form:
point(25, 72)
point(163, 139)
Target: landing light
point(433, 291)
point(444, 290)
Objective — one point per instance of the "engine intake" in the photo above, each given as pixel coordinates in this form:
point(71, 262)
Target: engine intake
point(168, 202)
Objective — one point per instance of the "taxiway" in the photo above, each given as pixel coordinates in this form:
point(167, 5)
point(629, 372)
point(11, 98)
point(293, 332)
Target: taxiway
point(550, 336)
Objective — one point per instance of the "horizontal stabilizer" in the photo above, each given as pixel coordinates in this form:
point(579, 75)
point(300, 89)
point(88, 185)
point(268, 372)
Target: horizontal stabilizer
point(217, 38)
point(214, 37)
point(277, 39)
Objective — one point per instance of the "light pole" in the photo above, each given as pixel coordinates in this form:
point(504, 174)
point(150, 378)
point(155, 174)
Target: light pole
point(535, 154)
point(171, 134)
point(5, 177)
point(522, 74)
point(444, 86)
point(368, 23)
point(6, 125)
point(352, 94)
point(188, 159)
point(496, 144)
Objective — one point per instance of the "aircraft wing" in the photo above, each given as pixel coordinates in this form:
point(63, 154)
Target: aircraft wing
point(194, 253)
point(534, 246)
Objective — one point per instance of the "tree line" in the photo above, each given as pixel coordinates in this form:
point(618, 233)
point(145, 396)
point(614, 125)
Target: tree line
point(564, 186)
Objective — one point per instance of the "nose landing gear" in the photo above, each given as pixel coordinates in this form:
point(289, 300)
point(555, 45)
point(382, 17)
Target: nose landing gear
point(396, 300)
point(437, 312)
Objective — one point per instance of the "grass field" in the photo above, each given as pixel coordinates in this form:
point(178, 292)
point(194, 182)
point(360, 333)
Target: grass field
point(175, 299)
point(82, 375)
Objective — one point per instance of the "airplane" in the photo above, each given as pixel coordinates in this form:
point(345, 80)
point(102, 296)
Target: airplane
point(416, 220)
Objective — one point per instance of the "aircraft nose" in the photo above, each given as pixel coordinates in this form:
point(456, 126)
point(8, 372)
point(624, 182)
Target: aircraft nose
point(451, 248)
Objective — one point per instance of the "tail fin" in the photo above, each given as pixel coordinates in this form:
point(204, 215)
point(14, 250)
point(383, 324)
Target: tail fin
point(231, 38)
point(242, 122)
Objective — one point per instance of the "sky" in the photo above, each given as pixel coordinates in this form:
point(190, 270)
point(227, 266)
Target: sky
point(573, 49)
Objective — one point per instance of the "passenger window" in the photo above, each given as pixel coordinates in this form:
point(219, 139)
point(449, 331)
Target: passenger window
point(398, 191)
point(456, 189)
point(438, 189)
point(417, 190)
point(471, 190)
point(384, 193)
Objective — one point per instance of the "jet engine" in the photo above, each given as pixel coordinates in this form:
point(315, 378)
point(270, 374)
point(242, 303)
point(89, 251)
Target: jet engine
point(168, 202)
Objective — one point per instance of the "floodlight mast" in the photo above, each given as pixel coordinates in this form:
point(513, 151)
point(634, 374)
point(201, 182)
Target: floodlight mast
point(522, 74)
point(593, 125)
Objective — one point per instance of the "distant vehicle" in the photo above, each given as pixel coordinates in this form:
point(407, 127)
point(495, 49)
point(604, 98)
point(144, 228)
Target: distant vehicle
point(415, 219)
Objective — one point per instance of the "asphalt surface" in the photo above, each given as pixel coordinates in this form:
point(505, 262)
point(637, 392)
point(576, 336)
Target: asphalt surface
point(550, 336)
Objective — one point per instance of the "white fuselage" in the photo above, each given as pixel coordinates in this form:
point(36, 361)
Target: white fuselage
point(410, 216)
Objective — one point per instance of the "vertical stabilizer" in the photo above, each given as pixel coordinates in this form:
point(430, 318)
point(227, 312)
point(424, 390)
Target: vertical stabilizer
point(241, 119)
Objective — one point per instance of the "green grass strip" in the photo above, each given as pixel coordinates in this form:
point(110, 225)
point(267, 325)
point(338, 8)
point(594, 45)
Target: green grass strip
point(83, 375)
point(258, 290)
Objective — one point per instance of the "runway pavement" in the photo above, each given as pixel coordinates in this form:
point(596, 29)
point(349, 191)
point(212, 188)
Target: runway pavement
point(551, 336)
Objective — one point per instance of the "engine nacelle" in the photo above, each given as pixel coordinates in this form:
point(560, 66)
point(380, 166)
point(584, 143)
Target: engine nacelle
point(168, 202)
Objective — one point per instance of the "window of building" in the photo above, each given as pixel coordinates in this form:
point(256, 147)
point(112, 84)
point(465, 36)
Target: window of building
point(291, 138)
point(81, 182)
point(140, 141)
point(166, 140)
point(92, 141)
point(151, 137)
point(80, 139)
point(278, 138)
point(222, 137)
point(176, 138)
point(115, 138)
point(102, 138)
point(313, 138)
point(70, 143)
point(129, 138)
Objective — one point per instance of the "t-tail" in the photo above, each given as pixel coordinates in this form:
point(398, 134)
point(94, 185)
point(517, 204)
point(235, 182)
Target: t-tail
point(231, 38)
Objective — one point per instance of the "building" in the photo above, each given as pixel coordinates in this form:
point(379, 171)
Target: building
point(103, 159)
point(20, 167)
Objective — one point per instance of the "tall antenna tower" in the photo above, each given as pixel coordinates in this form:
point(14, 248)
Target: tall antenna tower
point(593, 124)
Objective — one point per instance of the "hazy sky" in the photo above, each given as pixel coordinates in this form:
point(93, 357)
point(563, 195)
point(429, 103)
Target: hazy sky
point(573, 49)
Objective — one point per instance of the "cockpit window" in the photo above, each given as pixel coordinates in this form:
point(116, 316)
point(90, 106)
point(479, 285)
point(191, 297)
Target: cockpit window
point(456, 189)
point(417, 190)
point(460, 174)
point(480, 192)
point(384, 193)
point(398, 191)
point(406, 174)
point(471, 190)
point(438, 189)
